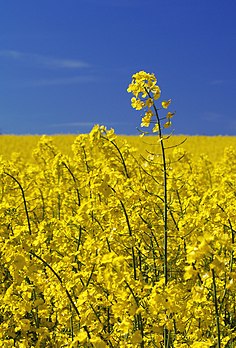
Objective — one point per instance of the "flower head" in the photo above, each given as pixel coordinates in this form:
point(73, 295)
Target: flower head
point(145, 92)
point(166, 103)
point(144, 84)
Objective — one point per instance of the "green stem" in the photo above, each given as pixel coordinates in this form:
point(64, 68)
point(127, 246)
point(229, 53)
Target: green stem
point(165, 215)
point(120, 154)
point(216, 308)
point(24, 200)
point(75, 182)
point(130, 233)
point(60, 280)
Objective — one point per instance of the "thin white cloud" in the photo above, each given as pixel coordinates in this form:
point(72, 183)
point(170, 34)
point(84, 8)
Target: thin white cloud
point(211, 116)
point(73, 124)
point(86, 124)
point(119, 3)
point(60, 63)
point(11, 54)
point(217, 82)
point(45, 61)
point(62, 81)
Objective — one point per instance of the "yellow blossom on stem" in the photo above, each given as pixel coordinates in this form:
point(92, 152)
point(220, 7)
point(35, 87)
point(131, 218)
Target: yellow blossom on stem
point(156, 128)
point(137, 103)
point(144, 83)
point(156, 92)
point(149, 102)
point(170, 115)
point(166, 103)
point(147, 119)
point(167, 124)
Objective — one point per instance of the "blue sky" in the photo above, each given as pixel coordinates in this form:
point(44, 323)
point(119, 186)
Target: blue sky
point(65, 65)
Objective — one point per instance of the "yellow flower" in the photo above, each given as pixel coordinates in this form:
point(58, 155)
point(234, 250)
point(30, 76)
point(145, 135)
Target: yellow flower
point(98, 342)
point(166, 103)
point(156, 128)
point(137, 103)
point(170, 115)
point(167, 124)
point(149, 102)
point(136, 338)
point(144, 83)
point(147, 119)
point(156, 92)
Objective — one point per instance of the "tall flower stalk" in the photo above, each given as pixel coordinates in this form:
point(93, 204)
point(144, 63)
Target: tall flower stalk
point(145, 94)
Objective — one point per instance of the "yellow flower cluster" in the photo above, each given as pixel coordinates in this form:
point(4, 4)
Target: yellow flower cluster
point(146, 91)
point(82, 251)
point(212, 146)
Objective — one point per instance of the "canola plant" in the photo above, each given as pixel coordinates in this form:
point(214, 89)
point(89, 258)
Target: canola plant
point(105, 248)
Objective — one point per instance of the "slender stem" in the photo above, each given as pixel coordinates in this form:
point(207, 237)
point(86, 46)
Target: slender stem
point(216, 308)
point(165, 337)
point(71, 324)
point(24, 200)
point(165, 213)
point(60, 280)
point(75, 182)
point(120, 153)
point(165, 217)
point(130, 233)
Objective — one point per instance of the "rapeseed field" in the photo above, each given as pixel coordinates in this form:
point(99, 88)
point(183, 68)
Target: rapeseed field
point(195, 145)
point(114, 241)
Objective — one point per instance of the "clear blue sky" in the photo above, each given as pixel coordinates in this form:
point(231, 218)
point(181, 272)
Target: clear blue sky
point(66, 64)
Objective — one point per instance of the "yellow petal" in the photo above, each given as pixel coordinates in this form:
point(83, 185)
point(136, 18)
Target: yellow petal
point(166, 103)
point(167, 124)
point(170, 115)
point(149, 102)
point(155, 128)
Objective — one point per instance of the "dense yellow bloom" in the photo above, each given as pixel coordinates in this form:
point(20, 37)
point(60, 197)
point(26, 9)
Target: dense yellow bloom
point(81, 249)
point(137, 103)
point(145, 84)
point(145, 93)
point(89, 214)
